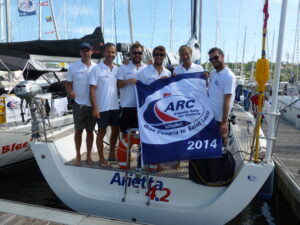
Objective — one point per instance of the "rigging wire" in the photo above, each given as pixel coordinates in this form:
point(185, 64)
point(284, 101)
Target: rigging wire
point(154, 24)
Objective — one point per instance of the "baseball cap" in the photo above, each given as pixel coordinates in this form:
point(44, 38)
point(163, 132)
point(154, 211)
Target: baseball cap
point(85, 45)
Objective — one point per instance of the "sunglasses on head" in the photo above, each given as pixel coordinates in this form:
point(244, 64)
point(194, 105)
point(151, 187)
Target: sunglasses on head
point(159, 54)
point(216, 57)
point(137, 53)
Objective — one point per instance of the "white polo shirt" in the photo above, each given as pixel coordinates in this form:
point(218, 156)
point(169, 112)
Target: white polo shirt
point(221, 83)
point(127, 93)
point(150, 74)
point(193, 69)
point(106, 92)
point(78, 73)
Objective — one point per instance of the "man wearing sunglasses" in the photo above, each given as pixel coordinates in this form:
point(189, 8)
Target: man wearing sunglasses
point(221, 90)
point(126, 80)
point(156, 70)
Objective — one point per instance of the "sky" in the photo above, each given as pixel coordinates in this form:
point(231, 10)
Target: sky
point(152, 22)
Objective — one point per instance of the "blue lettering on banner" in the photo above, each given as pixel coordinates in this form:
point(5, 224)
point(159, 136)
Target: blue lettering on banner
point(176, 121)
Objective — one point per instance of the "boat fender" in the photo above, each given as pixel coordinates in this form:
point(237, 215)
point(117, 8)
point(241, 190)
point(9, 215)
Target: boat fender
point(123, 148)
point(266, 191)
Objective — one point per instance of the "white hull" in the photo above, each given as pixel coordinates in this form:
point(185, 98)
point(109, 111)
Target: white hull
point(14, 144)
point(290, 112)
point(98, 191)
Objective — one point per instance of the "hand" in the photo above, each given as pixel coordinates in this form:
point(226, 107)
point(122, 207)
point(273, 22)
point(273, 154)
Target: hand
point(223, 128)
point(125, 61)
point(131, 81)
point(174, 74)
point(164, 77)
point(96, 113)
point(206, 74)
point(72, 95)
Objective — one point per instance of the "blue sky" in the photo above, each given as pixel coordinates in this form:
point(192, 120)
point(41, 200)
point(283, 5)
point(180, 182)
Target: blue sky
point(151, 22)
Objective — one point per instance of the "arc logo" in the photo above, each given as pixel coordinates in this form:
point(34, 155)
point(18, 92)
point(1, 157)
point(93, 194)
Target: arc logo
point(12, 105)
point(173, 111)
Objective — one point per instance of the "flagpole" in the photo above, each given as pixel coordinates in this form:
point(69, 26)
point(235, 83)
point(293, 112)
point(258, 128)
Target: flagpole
point(40, 20)
point(261, 76)
point(54, 21)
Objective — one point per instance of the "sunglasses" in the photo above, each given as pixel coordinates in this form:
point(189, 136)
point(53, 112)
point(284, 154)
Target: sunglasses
point(216, 57)
point(159, 54)
point(137, 53)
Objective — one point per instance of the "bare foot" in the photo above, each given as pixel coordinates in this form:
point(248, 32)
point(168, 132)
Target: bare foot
point(159, 168)
point(176, 166)
point(89, 162)
point(104, 163)
point(77, 163)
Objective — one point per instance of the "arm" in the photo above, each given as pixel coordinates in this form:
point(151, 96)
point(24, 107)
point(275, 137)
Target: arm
point(95, 110)
point(123, 83)
point(224, 123)
point(69, 87)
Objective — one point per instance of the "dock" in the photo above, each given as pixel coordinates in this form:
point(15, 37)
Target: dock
point(287, 160)
point(24, 214)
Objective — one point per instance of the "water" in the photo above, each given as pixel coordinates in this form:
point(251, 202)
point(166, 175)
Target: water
point(25, 183)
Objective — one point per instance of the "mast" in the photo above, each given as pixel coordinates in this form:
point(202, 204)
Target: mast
point(252, 66)
point(237, 41)
point(8, 21)
point(200, 26)
point(1, 21)
point(40, 20)
point(242, 64)
point(65, 20)
point(271, 130)
point(193, 18)
point(217, 23)
point(171, 27)
point(102, 15)
point(130, 21)
point(54, 20)
point(296, 47)
point(271, 59)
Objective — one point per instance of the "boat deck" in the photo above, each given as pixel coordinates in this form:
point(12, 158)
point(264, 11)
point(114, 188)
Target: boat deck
point(244, 135)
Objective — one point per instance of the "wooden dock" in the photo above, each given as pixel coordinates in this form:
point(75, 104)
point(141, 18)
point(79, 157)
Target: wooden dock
point(25, 214)
point(287, 160)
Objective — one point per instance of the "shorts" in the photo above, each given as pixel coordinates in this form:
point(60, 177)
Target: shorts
point(83, 117)
point(128, 118)
point(109, 118)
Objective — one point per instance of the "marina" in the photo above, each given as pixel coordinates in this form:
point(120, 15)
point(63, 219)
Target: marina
point(189, 160)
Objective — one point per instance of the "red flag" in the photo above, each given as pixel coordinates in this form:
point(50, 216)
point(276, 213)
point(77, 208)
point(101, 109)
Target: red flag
point(266, 12)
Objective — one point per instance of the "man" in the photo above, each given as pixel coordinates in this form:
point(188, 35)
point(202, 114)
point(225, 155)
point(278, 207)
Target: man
point(126, 80)
point(156, 70)
point(152, 73)
point(221, 90)
point(78, 89)
point(104, 100)
point(187, 66)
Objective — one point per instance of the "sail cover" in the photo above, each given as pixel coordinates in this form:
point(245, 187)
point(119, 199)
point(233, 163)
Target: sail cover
point(176, 121)
point(66, 48)
point(16, 60)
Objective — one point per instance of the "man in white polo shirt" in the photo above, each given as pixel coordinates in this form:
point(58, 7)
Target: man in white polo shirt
point(104, 100)
point(77, 87)
point(187, 66)
point(156, 70)
point(221, 90)
point(126, 80)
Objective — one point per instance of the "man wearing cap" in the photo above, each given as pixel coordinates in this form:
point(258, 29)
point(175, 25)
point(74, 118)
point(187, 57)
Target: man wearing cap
point(104, 100)
point(77, 86)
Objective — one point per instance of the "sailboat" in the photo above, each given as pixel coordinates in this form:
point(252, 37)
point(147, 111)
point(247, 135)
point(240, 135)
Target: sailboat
point(161, 197)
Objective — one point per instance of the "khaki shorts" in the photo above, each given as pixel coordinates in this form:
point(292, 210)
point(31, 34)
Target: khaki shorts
point(83, 117)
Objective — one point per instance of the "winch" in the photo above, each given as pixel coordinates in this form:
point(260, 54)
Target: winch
point(28, 90)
